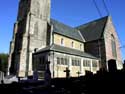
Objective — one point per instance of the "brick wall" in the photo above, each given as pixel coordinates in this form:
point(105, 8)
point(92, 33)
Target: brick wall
point(103, 48)
point(110, 30)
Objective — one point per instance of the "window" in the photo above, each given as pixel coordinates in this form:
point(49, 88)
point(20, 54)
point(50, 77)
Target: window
point(66, 61)
point(58, 60)
point(72, 44)
point(94, 63)
point(41, 64)
point(62, 61)
point(113, 44)
point(78, 62)
point(86, 63)
point(62, 41)
point(80, 46)
point(75, 62)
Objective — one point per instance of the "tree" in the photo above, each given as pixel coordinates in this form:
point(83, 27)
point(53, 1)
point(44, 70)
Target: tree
point(3, 62)
point(0, 64)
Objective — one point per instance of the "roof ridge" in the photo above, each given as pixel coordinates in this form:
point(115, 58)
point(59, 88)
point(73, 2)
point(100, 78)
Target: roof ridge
point(94, 29)
point(96, 20)
point(62, 23)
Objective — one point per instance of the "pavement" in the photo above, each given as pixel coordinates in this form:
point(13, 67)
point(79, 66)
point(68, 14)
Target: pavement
point(8, 79)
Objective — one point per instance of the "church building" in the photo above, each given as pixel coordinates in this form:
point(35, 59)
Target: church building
point(41, 44)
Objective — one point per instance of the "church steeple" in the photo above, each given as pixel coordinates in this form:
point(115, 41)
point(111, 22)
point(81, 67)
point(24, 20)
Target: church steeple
point(31, 27)
point(23, 9)
point(39, 8)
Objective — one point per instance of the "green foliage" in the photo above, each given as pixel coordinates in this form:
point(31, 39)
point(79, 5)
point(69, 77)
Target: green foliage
point(3, 62)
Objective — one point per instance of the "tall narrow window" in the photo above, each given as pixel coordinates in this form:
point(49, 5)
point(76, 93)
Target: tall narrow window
point(36, 29)
point(58, 60)
point(72, 44)
point(62, 61)
point(73, 62)
point(66, 61)
point(113, 44)
point(80, 46)
point(94, 63)
point(62, 41)
point(84, 64)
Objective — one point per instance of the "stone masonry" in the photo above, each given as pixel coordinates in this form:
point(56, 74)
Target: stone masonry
point(30, 33)
point(110, 30)
point(102, 47)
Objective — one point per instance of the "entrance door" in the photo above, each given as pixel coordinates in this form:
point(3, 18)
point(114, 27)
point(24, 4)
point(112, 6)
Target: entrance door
point(112, 65)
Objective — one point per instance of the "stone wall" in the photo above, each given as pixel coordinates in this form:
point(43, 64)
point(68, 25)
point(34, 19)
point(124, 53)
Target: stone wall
point(109, 31)
point(103, 48)
point(33, 18)
point(68, 42)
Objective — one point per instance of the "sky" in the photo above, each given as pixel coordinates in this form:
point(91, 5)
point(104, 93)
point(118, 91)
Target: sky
point(70, 12)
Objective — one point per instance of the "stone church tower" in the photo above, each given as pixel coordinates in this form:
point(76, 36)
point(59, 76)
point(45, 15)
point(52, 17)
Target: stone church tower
point(30, 33)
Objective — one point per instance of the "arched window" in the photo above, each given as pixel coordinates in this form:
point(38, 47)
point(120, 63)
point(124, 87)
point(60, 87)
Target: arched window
point(113, 44)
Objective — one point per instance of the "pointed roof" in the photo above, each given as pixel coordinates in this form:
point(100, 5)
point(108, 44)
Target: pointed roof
point(93, 30)
point(66, 30)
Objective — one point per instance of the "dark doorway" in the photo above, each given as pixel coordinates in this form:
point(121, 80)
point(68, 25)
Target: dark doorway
point(112, 65)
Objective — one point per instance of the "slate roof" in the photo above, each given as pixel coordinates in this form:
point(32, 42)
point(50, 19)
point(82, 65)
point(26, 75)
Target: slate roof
point(66, 50)
point(93, 30)
point(66, 30)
